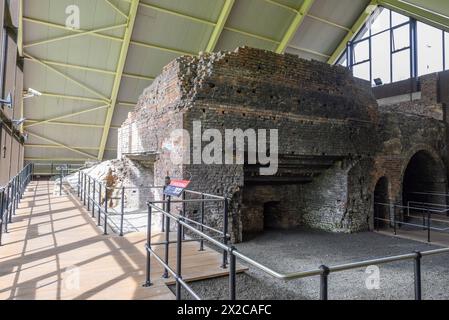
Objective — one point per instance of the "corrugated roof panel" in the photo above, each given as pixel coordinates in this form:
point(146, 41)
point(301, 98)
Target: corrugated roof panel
point(163, 29)
point(147, 61)
point(231, 40)
point(260, 18)
point(204, 9)
point(341, 12)
point(317, 36)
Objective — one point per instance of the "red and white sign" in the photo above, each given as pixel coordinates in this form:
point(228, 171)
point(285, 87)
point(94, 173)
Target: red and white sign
point(180, 183)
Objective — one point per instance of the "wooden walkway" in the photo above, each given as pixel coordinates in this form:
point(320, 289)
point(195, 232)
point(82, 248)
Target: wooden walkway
point(54, 250)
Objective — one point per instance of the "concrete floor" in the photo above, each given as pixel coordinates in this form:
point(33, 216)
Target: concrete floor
point(302, 249)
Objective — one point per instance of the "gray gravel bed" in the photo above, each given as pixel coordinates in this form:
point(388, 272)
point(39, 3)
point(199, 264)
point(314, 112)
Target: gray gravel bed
point(301, 249)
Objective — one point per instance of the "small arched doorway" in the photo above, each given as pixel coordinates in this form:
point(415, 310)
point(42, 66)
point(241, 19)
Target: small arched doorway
point(381, 203)
point(424, 177)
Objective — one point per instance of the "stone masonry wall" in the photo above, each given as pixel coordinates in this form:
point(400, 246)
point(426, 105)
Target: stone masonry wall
point(328, 122)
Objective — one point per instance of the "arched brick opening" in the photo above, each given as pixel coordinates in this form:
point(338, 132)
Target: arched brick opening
point(381, 203)
point(424, 174)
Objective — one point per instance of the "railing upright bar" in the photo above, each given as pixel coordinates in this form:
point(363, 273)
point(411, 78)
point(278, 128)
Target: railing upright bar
point(324, 282)
point(178, 260)
point(122, 210)
point(167, 236)
point(94, 188)
point(428, 225)
point(232, 275)
point(1, 214)
point(88, 193)
point(202, 222)
point(225, 232)
point(417, 273)
point(148, 269)
point(78, 185)
point(99, 198)
point(183, 212)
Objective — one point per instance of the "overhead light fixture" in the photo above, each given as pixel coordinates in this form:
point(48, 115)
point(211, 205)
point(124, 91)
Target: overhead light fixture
point(18, 122)
point(7, 101)
point(30, 93)
point(378, 82)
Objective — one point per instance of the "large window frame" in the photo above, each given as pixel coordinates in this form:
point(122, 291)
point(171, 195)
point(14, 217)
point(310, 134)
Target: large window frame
point(348, 58)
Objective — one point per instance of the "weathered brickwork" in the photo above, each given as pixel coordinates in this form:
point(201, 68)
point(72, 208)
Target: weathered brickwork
point(334, 140)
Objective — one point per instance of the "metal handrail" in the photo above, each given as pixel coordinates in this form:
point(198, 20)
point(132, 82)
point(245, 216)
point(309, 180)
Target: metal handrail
point(322, 271)
point(10, 196)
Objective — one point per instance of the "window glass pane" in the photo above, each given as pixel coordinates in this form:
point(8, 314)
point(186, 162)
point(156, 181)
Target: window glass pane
point(401, 65)
point(430, 49)
point(401, 37)
point(397, 19)
point(361, 51)
point(343, 60)
point(381, 57)
point(381, 22)
point(446, 51)
point(362, 71)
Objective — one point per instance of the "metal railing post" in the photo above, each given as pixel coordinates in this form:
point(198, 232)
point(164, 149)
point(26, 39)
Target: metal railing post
point(394, 221)
point(167, 236)
point(428, 225)
point(178, 260)
point(60, 181)
point(183, 211)
point(122, 211)
point(99, 198)
point(232, 275)
point(10, 201)
point(324, 282)
point(163, 208)
point(1, 215)
point(79, 181)
point(105, 203)
point(148, 269)
point(202, 222)
point(88, 193)
point(225, 232)
point(417, 271)
point(93, 197)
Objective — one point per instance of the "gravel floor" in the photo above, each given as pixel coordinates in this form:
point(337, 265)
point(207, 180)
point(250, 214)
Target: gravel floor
point(301, 249)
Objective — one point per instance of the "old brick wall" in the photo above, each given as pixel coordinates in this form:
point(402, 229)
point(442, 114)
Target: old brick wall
point(334, 141)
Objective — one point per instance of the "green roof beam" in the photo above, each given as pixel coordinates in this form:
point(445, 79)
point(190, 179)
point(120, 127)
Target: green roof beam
point(360, 22)
point(419, 13)
point(118, 77)
point(178, 14)
point(294, 26)
point(224, 14)
point(68, 115)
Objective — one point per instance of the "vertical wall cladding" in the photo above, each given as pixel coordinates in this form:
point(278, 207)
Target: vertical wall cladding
point(11, 80)
point(334, 140)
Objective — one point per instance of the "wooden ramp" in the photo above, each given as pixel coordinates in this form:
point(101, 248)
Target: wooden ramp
point(54, 250)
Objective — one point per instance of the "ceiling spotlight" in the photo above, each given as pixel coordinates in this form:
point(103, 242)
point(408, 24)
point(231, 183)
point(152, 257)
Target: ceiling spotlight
point(30, 93)
point(7, 101)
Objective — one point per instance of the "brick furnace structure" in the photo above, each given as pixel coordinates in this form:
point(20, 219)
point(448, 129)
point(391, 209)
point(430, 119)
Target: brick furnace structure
point(337, 146)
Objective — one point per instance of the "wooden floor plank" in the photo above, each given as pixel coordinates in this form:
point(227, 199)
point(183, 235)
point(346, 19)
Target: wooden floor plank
point(54, 250)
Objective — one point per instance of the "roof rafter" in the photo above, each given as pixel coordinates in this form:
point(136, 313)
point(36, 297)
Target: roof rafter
point(80, 84)
point(296, 23)
point(60, 144)
point(353, 31)
point(72, 114)
point(63, 27)
point(422, 14)
point(224, 14)
point(69, 97)
point(176, 13)
point(118, 77)
point(74, 35)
